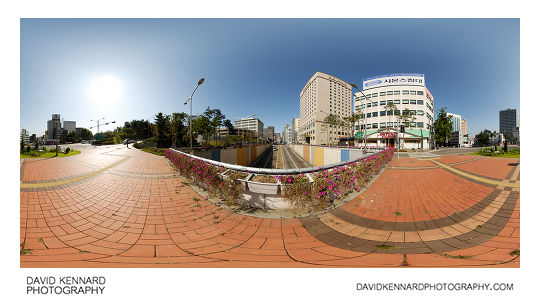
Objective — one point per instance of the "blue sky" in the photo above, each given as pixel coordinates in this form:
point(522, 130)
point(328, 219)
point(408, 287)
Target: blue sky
point(258, 66)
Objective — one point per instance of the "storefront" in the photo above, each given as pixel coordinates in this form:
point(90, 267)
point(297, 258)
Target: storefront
point(411, 139)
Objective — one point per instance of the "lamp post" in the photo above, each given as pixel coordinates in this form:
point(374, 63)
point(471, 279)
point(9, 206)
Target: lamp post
point(364, 117)
point(190, 106)
point(100, 124)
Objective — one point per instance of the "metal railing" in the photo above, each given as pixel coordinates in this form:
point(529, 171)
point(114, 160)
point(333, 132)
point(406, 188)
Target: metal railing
point(272, 171)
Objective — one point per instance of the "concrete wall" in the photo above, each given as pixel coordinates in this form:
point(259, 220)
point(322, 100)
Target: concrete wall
point(240, 156)
point(321, 155)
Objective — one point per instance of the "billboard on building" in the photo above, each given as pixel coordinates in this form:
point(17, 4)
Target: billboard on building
point(394, 80)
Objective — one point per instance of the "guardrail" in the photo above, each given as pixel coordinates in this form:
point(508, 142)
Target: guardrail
point(272, 171)
point(313, 187)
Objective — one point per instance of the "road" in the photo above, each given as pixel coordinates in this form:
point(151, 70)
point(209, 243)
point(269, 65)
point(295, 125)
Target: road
point(286, 158)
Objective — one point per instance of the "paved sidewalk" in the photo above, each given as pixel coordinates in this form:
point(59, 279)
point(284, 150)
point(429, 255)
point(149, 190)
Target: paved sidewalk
point(118, 207)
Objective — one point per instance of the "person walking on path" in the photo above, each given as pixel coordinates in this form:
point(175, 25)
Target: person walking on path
point(127, 143)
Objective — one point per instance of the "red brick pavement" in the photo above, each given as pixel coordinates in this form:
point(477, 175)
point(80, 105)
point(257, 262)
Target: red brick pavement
point(136, 214)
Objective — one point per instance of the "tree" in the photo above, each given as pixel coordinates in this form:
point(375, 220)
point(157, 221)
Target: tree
point(443, 127)
point(73, 137)
point(179, 129)
point(351, 121)
point(216, 119)
point(86, 134)
point(162, 130)
point(482, 139)
point(203, 127)
point(331, 121)
point(406, 117)
point(228, 124)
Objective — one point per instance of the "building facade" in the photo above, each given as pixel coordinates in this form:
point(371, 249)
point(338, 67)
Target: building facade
point(24, 136)
point(54, 127)
point(322, 95)
point(295, 128)
point(253, 124)
point(268, 133)
point(70, 126)
point(509, 123)
point(456, 121)
point(384, 99)
point(286, 133)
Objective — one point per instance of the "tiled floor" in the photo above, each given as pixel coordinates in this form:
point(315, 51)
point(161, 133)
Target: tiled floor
point(118, 207)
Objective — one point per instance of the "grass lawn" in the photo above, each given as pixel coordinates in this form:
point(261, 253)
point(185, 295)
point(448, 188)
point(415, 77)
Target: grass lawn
point(48, 154)
point(497, 156)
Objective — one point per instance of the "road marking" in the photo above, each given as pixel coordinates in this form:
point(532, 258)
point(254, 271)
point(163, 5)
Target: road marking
point(287, 151)
point(477, 178)
point(72, 180)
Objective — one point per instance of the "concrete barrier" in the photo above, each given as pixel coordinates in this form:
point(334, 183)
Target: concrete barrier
point(244, 156)
point(319, 155)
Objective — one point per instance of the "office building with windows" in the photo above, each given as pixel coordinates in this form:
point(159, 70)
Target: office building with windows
point(509, 123)
point(24, 136)
point(322, 95)
point(253, 124)
point(268, 133)
point(54, 128)
point(389, 101)
point(70, 126)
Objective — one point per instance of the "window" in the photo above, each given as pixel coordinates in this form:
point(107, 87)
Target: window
point(419, 112)
point(382, 102)
point(413, 102)
point(362, 97)
point(389, 113)
point(396, 112)
point(389, 93)
point(383, 125)
point(390, 102)
point(368, 126)
point(396, 101)
point(419, 92)
point(369, 104)
point(368, 115)
point(383, 93)
point(375, 125)
point(368, 96)
point(374, 95)
point(382, 113)
point(374, 114)
point(405, 101)
point(375, 104)
point(420, 102)
point(420, 124)
point(412, 92)
point(413, 124)
point(396, 92)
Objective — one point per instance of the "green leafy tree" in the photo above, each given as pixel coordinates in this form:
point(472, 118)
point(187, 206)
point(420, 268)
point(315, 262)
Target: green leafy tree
point(73, 137)
point(332, 121)
point(443, 128)
point(352, 120)
point(86, 134)
point(202, 126)
point(406, 117)
point(179, 129)
point(482, 139)
point(162, 130)
point(216, 119)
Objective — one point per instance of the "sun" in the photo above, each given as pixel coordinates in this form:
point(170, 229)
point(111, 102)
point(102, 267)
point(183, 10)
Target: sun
point(105, 89)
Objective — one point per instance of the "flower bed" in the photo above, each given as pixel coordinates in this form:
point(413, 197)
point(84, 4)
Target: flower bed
point(314, 192)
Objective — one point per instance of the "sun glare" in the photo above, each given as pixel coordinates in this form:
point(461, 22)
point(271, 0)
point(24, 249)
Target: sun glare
point(105, 89)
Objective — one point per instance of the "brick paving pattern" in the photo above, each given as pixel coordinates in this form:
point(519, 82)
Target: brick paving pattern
point(118, 207)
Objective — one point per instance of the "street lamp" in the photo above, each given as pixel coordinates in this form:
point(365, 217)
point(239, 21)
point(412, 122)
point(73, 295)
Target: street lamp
point(190, 105)
point(364, 117)
point(100, 124)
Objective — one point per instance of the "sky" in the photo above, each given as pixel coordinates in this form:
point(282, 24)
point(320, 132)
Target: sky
point(256, 66)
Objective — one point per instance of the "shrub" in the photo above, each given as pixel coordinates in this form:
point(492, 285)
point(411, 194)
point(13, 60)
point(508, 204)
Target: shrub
point(28, 149)
point(67, 150)
point(230, 188)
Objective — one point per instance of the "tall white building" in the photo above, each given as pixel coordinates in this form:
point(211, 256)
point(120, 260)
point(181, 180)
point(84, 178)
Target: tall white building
point(69, 126)
point(322, 95)
point(24, 136)
point(286, 133)
point(380, 125)
point(54, 127)
point(295, 129)
point(253, 124)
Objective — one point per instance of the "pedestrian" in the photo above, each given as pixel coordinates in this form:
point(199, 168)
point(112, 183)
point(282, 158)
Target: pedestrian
point(127, 143)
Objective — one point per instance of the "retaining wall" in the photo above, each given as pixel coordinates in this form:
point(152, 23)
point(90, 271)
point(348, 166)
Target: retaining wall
point(244, 156)
point(322, 155)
